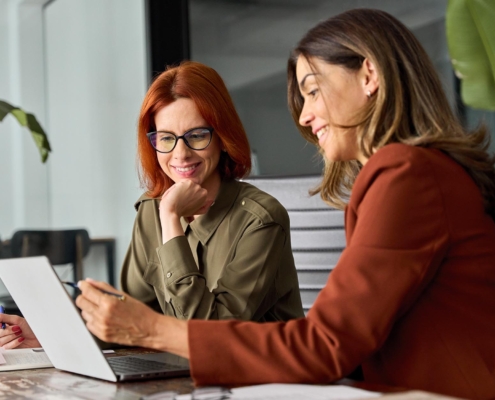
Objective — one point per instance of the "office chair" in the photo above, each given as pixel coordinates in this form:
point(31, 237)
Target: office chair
point(317, 230)
point(61, 247)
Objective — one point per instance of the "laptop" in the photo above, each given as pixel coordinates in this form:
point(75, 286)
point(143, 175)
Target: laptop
point(56, 322)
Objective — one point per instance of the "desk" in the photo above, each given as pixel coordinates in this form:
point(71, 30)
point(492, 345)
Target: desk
point(51, 383)
point(55, 384)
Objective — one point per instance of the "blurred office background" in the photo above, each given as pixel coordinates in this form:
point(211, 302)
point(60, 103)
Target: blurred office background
point(83, 66)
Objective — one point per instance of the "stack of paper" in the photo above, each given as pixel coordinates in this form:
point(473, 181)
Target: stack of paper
point(11, 360)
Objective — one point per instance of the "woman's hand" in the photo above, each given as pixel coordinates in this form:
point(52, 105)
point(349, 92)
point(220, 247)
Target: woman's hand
point(129, 322)
point(17, 333)
point(183, 199)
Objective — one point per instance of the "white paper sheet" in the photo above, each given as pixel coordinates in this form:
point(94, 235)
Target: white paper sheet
point(16, 359)
point(276, 391)
point(300, 392)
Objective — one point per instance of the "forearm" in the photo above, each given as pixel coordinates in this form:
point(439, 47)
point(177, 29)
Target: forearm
point(168, 334)
point(171, 227)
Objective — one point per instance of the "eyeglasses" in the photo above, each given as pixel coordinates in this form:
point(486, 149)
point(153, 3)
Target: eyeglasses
point(196, 139)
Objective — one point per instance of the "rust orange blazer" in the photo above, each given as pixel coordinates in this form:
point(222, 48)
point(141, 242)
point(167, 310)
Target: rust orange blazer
point(412, 298)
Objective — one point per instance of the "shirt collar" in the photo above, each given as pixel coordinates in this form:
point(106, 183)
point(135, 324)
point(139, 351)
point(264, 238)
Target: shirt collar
point(145, 197)
point(205, 226)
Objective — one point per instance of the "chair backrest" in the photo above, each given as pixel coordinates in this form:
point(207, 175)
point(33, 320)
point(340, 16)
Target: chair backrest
point(67, 246)
point(317, 230)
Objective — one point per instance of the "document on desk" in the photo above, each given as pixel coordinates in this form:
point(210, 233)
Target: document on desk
point(276, 391)
point(15, 359)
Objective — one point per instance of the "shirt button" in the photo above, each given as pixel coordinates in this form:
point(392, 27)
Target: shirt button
point(169, 274)
point(243, 202)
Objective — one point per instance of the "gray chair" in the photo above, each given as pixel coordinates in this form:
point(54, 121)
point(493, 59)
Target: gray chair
point(67, 246)
point(317, 230)
point(61, 247)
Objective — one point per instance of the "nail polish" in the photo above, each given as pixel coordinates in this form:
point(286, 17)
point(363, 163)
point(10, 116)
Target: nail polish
point(16, 329)
point(21, 339)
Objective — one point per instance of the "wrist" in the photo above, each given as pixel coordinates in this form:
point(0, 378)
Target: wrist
point(169, 214)
point(168, 334)
point(171, 228)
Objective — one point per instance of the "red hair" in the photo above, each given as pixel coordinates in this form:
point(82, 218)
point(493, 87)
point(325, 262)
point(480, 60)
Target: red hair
point(206, 88)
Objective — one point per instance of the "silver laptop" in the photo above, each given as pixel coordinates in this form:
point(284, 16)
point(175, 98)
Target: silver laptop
point(56, 322)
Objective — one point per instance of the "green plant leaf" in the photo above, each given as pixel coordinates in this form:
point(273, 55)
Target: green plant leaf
point(471, 40)
point(5, 108)
point(28, 120)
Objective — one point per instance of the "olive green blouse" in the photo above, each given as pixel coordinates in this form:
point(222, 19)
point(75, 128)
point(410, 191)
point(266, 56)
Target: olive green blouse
point(235, 261)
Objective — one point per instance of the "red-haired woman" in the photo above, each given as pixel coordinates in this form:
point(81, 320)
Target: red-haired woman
point(204, 244)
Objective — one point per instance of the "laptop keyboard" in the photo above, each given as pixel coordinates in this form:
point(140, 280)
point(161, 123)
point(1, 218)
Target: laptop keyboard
point(128, 365)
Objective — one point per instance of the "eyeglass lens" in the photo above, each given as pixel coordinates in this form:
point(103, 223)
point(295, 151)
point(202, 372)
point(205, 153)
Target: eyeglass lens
point(196, 139)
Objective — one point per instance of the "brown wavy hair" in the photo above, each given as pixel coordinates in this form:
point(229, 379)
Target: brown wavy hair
point(409, 106)
point(206, 88)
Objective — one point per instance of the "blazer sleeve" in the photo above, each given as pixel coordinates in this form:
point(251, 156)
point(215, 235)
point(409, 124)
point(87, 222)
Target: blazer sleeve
point(397, 237)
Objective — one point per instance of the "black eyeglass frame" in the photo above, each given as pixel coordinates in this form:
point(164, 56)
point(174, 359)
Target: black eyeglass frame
point(183, 137)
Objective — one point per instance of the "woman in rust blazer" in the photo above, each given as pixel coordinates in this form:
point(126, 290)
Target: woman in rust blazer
point(412, 298)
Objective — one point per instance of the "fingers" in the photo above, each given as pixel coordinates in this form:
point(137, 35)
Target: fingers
point(100, 324)
point(9, 337)
point(184, 198)
point(86, 305)
point(94, 303)
point(88, 301)
point(91, 290)
point(92, 314)
point(98, 327)
point(107, 317)
point(11, 319)
point(102, 286)
point(13, 343)
point(89, 318)
point(168, 191)
point(186, 184)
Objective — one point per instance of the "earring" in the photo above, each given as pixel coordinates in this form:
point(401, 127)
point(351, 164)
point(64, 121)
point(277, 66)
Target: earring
point(368, 93)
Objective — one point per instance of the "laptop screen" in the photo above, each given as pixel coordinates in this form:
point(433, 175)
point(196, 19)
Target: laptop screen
point(56, 321)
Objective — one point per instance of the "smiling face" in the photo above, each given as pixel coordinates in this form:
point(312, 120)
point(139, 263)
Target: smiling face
point(183, 163)
point(333, 97)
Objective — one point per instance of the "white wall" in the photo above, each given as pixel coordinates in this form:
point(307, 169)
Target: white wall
point(22, 179)
point(79, 66)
